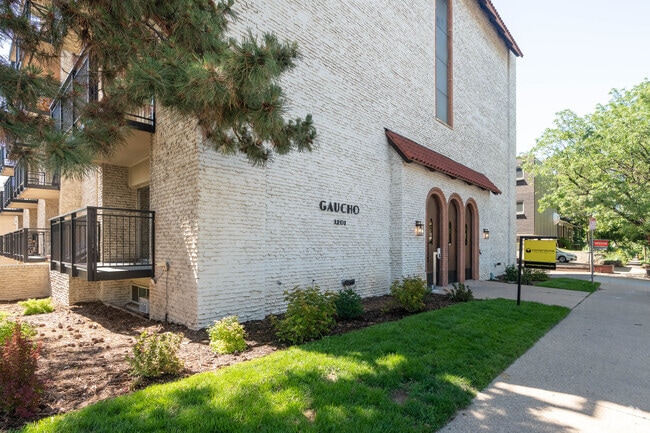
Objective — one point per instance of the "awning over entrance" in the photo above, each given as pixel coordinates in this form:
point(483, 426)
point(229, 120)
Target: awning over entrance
point(410, 151)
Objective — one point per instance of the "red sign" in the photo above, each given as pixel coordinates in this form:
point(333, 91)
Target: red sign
point(601, 244)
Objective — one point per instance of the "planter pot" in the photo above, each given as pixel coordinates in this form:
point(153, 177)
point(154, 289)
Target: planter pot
point(604, 269)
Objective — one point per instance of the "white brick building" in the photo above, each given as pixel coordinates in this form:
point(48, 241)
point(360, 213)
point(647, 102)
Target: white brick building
point(230, 238)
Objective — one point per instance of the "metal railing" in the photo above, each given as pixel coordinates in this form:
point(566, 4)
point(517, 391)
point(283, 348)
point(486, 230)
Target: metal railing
point(6, 164)
point(26, 245)
point(34, 178)
point(104, 243)
point(80, 88)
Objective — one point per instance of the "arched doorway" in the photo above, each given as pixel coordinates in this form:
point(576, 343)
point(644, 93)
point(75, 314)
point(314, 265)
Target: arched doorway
point(434, 220)
point(452, 261)
point(471, 240)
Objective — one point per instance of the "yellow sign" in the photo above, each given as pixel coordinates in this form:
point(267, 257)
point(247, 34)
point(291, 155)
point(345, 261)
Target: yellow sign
point(539, 253)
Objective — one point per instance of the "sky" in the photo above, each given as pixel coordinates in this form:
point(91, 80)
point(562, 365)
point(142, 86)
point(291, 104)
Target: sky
point(575, 53)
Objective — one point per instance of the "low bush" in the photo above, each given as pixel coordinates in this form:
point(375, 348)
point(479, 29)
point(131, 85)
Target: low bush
point(511, 273)
point(460, 293)
point(20, 387)
point(156, 354)
point(37, 306)
point(530, 276)
point(7, 328)
point(310, 314)
point(410, 293)
point(227, 335)
point(348, 304)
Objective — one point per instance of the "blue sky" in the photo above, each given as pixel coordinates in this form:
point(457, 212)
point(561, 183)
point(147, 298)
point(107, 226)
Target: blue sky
point(575, 52)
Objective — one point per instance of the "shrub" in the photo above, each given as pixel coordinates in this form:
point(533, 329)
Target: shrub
point(511, 273)
point(348, 304)
point(20, 387)
point(409, 293)
point(227, 336)
point(156, 354)
point(310, 315)
point(460, 293)
point(37, 306)
point(529, 276)
point(7, 329)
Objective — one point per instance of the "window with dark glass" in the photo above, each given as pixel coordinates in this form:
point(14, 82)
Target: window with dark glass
point(443, 57)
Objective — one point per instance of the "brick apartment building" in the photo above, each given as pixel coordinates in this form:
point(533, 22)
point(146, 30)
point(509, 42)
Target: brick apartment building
point(413, 174)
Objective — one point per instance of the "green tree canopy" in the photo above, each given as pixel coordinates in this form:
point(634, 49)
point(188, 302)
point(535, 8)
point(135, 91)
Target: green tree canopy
point(600, 164)
point(177, 52)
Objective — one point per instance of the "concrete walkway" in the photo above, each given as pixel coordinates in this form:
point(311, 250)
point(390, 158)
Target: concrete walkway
point(588, 374)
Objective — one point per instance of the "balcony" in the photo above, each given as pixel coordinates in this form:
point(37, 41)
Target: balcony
point(99, 244)
point(26, 245)
point(7, 210)
point(34, 184)
point(10, 197)
point(84, 86)
point(6, 165)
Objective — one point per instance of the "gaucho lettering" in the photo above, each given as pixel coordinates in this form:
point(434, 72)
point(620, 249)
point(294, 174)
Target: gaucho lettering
point(338, 207)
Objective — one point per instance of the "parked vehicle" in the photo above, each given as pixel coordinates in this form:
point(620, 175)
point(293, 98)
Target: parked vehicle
point(564, 256)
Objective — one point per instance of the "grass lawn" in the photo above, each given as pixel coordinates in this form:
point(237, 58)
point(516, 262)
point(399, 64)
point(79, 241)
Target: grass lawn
point(570, 284)
point(405, 376)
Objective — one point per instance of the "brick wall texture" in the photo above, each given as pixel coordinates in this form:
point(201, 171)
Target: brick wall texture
point(231, 238)
point(237, 236)
point(23, 281)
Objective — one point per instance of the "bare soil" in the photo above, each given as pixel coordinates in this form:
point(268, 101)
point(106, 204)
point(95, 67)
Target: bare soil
point(84, 349)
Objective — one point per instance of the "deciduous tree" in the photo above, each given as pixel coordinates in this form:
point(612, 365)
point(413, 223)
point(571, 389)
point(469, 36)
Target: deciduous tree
point(600, 163)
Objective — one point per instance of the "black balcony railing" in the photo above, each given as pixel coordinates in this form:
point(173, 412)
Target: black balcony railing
point(99, 243)
point(80, 88)
point(26, 245)
point(33, 178)
point(6, 165)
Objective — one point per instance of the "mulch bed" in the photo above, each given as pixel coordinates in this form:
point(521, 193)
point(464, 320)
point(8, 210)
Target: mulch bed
point(84, 349)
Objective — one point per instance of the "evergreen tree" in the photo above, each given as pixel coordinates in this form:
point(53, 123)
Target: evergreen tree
point(177, 52)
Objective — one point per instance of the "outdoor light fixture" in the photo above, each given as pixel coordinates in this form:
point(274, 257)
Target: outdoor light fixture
point(486, 234)
point(419, 228)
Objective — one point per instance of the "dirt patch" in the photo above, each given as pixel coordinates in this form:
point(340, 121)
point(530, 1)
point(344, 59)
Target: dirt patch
point(84, 348)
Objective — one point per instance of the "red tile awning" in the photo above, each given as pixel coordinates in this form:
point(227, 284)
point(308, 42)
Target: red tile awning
point(410, 151)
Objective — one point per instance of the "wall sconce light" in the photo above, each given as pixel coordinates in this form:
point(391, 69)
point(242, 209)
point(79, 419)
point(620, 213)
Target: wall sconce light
point(419, 228)
point(486, 234)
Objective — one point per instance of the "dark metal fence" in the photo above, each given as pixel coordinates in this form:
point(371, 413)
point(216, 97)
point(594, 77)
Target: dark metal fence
point(104, 243)
point(26, 245)
point(26, 177)
point(80, 88)
point(6, 165)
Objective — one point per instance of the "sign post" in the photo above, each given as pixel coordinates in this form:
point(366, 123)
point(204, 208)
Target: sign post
point(592, 227)
point(535, 252)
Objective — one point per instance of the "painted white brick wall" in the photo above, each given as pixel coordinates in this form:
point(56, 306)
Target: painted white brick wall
point(237, 236)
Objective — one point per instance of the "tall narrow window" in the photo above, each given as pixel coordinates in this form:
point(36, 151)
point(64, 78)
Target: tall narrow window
point(443, 62)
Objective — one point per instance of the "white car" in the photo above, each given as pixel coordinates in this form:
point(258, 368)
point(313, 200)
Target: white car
point(564, 256)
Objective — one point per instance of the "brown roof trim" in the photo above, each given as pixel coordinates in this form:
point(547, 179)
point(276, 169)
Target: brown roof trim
point(410, 151)
point(500, 26)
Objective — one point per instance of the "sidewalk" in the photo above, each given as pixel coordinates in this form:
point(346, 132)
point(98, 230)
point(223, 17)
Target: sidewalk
point(588, 374)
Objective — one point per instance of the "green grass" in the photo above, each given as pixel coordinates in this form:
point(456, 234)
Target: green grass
point(406, 376)
point(37, 306)
point(570, 284)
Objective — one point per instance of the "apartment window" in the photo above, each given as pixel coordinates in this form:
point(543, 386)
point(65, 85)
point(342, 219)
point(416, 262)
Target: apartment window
point(520, 208)
point(443, 61)
point(520, 173)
